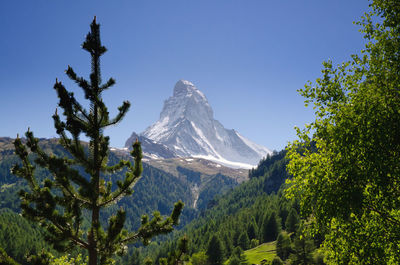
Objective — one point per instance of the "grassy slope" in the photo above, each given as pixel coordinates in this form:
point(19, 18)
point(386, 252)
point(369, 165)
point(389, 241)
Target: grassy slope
point(263, 251)
point(256, 255)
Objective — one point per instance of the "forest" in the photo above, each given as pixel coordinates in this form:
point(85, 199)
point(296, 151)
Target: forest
point(331, 197)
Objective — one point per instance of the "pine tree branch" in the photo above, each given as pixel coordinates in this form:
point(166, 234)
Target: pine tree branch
point(79, 156)
point(123, 109)
point(133, 237)
point(117, 167)
point(103, 113)
point(107, 85)
point(80, 81)
point(71, 106)
point(45, 211)
point(123, 187)
point(27, 169)
point(117, 195)
point(61, 177)
point(77, 150)
point(76, 239)
point(81, 110)
point(148, 230)
point(156, 226)
point(58, 168)
point(116, 224)
point(131, 176)
point(74, 195)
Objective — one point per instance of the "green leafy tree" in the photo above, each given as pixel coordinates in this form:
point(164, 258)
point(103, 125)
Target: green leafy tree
point(82, 182)
point(214, 251)
point(346, 163)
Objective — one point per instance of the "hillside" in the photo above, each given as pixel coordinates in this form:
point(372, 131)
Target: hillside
point(156, 190)
point(241, 212)
point(206, 178)
point(218, 208)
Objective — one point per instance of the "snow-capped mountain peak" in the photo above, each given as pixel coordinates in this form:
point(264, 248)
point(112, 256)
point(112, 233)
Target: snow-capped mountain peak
point(186, 100)
point(187, 126)
point(187, 89)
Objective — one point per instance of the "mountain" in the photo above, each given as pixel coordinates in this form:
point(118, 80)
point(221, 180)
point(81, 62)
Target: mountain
point(188, 128)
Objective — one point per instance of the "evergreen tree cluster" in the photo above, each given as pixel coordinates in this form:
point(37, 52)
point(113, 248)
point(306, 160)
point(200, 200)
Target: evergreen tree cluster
point(20, 238)
point(240, 219)
point(244, 218)
point(217, 185)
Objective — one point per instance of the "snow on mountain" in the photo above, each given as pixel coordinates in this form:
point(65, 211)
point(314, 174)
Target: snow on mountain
point(188, 128)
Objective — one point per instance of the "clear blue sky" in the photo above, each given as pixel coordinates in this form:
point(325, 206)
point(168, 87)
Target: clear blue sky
point(248, 57)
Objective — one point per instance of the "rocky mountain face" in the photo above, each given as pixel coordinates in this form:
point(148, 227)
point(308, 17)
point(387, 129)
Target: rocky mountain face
point(150, 148)
point(187, 128)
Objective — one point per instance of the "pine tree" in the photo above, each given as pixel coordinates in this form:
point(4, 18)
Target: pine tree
point(234, 261)
point(283, 245)
point(238, 257)
point(277, 261)
point(5, 259)
point(252, 230)
point(176, 257)
point(271, 227)
point(78, 182)
point(214, 251)
point(302, 250)
point(292, 221)
point(244, 241)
